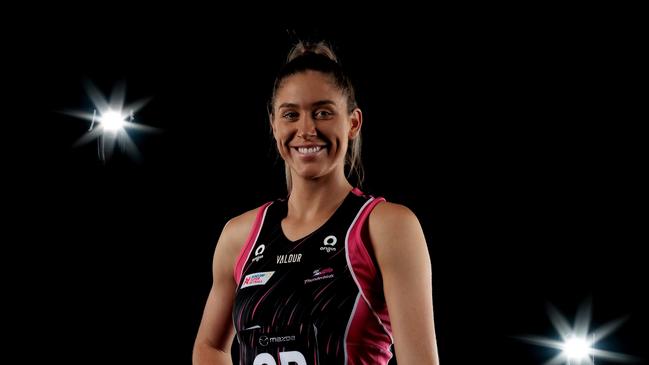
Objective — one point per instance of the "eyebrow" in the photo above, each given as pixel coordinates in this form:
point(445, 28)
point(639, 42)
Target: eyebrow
point(317, 103)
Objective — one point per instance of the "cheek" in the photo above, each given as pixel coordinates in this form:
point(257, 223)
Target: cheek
point(282, 138)
point(343, 144)
point(280, 145)
point(342, 138)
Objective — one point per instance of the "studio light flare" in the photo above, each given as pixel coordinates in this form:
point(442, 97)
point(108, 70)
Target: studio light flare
point(577, 343)
point(111, 121)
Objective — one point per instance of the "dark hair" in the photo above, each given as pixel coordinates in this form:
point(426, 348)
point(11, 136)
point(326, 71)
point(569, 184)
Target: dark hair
point(320, 57)
point(316, 57)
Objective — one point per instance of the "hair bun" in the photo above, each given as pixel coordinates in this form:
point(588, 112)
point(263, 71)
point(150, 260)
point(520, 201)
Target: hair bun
point(320, 48)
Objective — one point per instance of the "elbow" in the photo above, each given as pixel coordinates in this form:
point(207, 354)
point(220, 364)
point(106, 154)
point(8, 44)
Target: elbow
point(414, 352)
point(206, 354)
point(430, 358)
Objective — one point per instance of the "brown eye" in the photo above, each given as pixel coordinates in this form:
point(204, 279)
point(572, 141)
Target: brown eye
point(323, 114)
point(290, 115)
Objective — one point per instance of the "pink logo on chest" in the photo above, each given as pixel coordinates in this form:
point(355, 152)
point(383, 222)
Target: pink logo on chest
point(320, 274)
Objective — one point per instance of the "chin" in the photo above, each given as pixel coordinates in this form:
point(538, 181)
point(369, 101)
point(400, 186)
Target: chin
point(309, 172)
point(309, 175)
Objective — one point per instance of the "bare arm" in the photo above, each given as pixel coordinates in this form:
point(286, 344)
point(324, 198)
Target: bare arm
point(402, 255)
point(216, 331)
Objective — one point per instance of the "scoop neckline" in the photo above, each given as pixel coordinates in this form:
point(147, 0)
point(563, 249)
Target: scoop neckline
point(281, 228)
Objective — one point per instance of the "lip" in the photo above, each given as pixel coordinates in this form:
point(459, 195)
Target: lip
point(322, 149)
point(309, 145)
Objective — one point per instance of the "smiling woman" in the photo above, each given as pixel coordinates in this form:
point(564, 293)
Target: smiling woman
point(312, 126)
point(321, 89)
point(329, 275)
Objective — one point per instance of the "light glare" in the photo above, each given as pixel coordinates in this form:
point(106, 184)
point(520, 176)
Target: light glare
point(576, 348)
point(577, 342)
point(112, 121)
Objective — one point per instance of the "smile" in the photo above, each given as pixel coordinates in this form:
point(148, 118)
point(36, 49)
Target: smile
point(309, 150)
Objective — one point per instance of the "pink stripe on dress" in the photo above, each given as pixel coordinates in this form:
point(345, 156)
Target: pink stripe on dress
point(250, 242)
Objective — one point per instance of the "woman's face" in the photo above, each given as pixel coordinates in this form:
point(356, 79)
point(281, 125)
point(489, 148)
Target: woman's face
point(311, 124)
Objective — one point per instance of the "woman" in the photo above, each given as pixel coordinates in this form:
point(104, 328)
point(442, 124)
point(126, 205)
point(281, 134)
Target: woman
point(329, 275)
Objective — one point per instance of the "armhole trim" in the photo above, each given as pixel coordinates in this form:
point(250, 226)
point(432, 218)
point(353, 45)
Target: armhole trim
point(250, 242)
point(354, 239)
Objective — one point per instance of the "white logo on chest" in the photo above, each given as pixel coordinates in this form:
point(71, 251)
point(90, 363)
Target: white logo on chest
point(258, 253)
point(287, 259)
point(328, 244)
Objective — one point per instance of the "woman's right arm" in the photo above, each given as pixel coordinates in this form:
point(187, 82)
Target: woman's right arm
point(216, 331)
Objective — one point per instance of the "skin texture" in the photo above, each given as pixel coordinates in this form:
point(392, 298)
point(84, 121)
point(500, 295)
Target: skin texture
point(310, 110)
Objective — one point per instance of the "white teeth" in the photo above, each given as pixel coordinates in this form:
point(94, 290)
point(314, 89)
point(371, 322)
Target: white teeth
point(307, 150)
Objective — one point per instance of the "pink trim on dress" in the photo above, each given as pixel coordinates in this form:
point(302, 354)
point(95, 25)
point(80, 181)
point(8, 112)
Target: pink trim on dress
point(370, 326)
point(250, 242)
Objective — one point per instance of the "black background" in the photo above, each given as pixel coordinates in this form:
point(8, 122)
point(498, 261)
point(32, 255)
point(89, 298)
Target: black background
point(514, 138)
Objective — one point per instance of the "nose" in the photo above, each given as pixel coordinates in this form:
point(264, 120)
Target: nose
point(306, 128)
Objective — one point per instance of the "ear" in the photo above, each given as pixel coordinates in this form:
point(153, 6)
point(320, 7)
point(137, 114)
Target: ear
point(356, 120)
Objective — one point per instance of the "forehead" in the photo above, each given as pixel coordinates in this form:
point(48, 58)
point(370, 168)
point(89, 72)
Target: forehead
point(308, 87)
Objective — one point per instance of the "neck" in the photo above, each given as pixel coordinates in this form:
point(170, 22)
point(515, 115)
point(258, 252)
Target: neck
point(311, 198)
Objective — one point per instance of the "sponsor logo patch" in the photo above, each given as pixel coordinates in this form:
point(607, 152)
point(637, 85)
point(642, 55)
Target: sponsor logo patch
point(258, 253)
point(258, 278)
point(265, 340)
point(320, 274)
point(329, 243)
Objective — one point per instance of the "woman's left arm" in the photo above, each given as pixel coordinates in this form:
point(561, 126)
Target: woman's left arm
point(401, 252)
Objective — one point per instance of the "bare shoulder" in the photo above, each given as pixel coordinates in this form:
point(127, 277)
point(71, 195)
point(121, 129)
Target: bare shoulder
point(233, 237)
point(394, 231)
point(389, 217)
point(236, 230)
